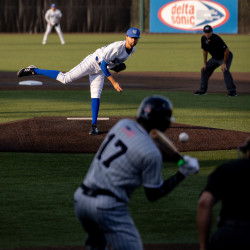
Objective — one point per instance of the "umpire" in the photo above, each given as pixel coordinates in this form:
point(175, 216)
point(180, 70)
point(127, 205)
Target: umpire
point(221, 56)
point(229, 183)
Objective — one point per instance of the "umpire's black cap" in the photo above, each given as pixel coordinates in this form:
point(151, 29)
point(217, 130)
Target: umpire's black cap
point(207, 29)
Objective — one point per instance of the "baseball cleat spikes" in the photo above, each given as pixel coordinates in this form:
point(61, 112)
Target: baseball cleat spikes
point(29, 71)
point(93, 130)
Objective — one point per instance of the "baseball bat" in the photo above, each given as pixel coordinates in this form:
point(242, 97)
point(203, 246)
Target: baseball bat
point(167, 145)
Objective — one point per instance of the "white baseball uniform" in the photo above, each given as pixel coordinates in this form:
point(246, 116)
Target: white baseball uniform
point(52, 18)
point(113, 54)
point(127, 159)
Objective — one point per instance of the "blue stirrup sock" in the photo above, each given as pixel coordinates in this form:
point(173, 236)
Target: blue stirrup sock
point(95, 103)
point(50, 73)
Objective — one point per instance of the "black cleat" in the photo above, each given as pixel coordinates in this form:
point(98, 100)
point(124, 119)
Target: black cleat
point(93, 130)
point(29, 71)
point(200, 92)
point(232, 94)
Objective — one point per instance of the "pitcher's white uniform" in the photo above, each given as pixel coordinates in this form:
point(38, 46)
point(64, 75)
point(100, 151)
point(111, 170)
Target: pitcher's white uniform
point(127, 159)
point(113, 54)
point(52, 18)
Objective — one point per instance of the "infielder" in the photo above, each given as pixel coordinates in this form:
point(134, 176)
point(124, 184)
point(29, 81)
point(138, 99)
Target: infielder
point(97, 66)
point(52, 18)
point(126, 159)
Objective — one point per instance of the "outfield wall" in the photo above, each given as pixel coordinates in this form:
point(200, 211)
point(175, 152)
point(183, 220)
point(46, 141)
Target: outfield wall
point(27, 16)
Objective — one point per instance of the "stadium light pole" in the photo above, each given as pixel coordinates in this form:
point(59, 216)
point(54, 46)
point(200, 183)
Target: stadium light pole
point(141, 14)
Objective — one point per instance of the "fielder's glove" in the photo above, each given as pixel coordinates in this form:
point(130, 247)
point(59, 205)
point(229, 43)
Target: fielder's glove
point(119, 67)
point(191, 166)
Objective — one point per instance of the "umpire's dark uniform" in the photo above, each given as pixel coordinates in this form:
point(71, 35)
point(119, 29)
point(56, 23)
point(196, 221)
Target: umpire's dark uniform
point(216, 47)
point(230, 184)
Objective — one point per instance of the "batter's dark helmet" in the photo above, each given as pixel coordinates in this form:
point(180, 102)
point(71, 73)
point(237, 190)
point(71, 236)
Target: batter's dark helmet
point(155, 112)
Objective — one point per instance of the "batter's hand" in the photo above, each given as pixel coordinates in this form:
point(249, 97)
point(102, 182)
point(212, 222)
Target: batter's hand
point(191, 166)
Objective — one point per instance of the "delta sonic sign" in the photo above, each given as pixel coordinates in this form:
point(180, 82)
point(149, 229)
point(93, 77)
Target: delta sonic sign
point(190, 16)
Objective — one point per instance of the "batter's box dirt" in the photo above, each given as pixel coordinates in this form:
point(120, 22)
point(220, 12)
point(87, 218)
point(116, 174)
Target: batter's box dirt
point(59, 135)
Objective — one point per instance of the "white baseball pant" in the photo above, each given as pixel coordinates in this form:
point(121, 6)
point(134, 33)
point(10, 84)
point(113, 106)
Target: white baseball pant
point(90, 67)
point(49, 29)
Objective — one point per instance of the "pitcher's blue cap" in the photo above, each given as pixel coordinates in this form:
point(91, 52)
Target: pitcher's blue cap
point(53, 5)
point(133, 32)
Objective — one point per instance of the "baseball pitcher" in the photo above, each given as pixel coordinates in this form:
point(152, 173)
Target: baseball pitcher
point(97, 66)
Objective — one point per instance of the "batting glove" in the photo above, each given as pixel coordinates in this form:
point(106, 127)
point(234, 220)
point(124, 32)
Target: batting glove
point(190, 166)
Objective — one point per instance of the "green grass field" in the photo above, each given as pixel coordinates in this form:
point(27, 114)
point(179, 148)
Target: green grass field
point(37, 189)
point(154, 52)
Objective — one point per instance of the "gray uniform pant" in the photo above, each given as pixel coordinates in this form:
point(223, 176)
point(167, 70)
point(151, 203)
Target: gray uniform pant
point(212, 64)
point(107, 222)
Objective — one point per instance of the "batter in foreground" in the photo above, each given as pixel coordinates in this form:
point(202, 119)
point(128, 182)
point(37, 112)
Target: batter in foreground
point(97, 66)
point(127, 159)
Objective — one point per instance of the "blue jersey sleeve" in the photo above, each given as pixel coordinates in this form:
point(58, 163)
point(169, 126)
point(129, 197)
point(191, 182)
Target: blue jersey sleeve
point(104, 68)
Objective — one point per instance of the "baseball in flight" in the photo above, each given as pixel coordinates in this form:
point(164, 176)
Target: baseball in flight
point(183, 137)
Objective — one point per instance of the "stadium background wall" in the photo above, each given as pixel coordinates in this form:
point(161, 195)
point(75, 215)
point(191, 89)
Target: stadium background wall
point(27, 16)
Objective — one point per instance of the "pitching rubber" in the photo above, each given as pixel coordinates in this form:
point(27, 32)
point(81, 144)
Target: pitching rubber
point(87, 118)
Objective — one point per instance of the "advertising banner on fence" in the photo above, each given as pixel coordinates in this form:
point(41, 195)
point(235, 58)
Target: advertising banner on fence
point(190, 16)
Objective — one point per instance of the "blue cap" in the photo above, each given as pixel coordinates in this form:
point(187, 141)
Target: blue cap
point(133, 32)
point(53, 5)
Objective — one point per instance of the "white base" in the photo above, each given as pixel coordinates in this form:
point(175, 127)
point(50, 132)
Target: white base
point(31, 83)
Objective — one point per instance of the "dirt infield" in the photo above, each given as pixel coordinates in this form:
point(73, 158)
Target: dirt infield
point(172, 81)
point(59, 135)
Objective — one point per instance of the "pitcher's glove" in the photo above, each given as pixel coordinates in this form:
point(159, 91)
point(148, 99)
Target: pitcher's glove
point(119, 67)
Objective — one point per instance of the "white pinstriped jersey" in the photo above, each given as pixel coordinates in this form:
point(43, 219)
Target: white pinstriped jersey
point(53, 17)
point(126, 159)
point(113, 54)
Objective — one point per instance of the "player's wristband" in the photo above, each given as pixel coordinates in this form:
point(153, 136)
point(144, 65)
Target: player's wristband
point(181, 162)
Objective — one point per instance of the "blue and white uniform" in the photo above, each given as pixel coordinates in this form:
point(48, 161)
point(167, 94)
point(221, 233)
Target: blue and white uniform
point(111, 55)
point(97, 66)
point(52, 18)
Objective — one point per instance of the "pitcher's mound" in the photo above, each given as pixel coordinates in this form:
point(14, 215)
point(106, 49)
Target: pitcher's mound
point(62, 135)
